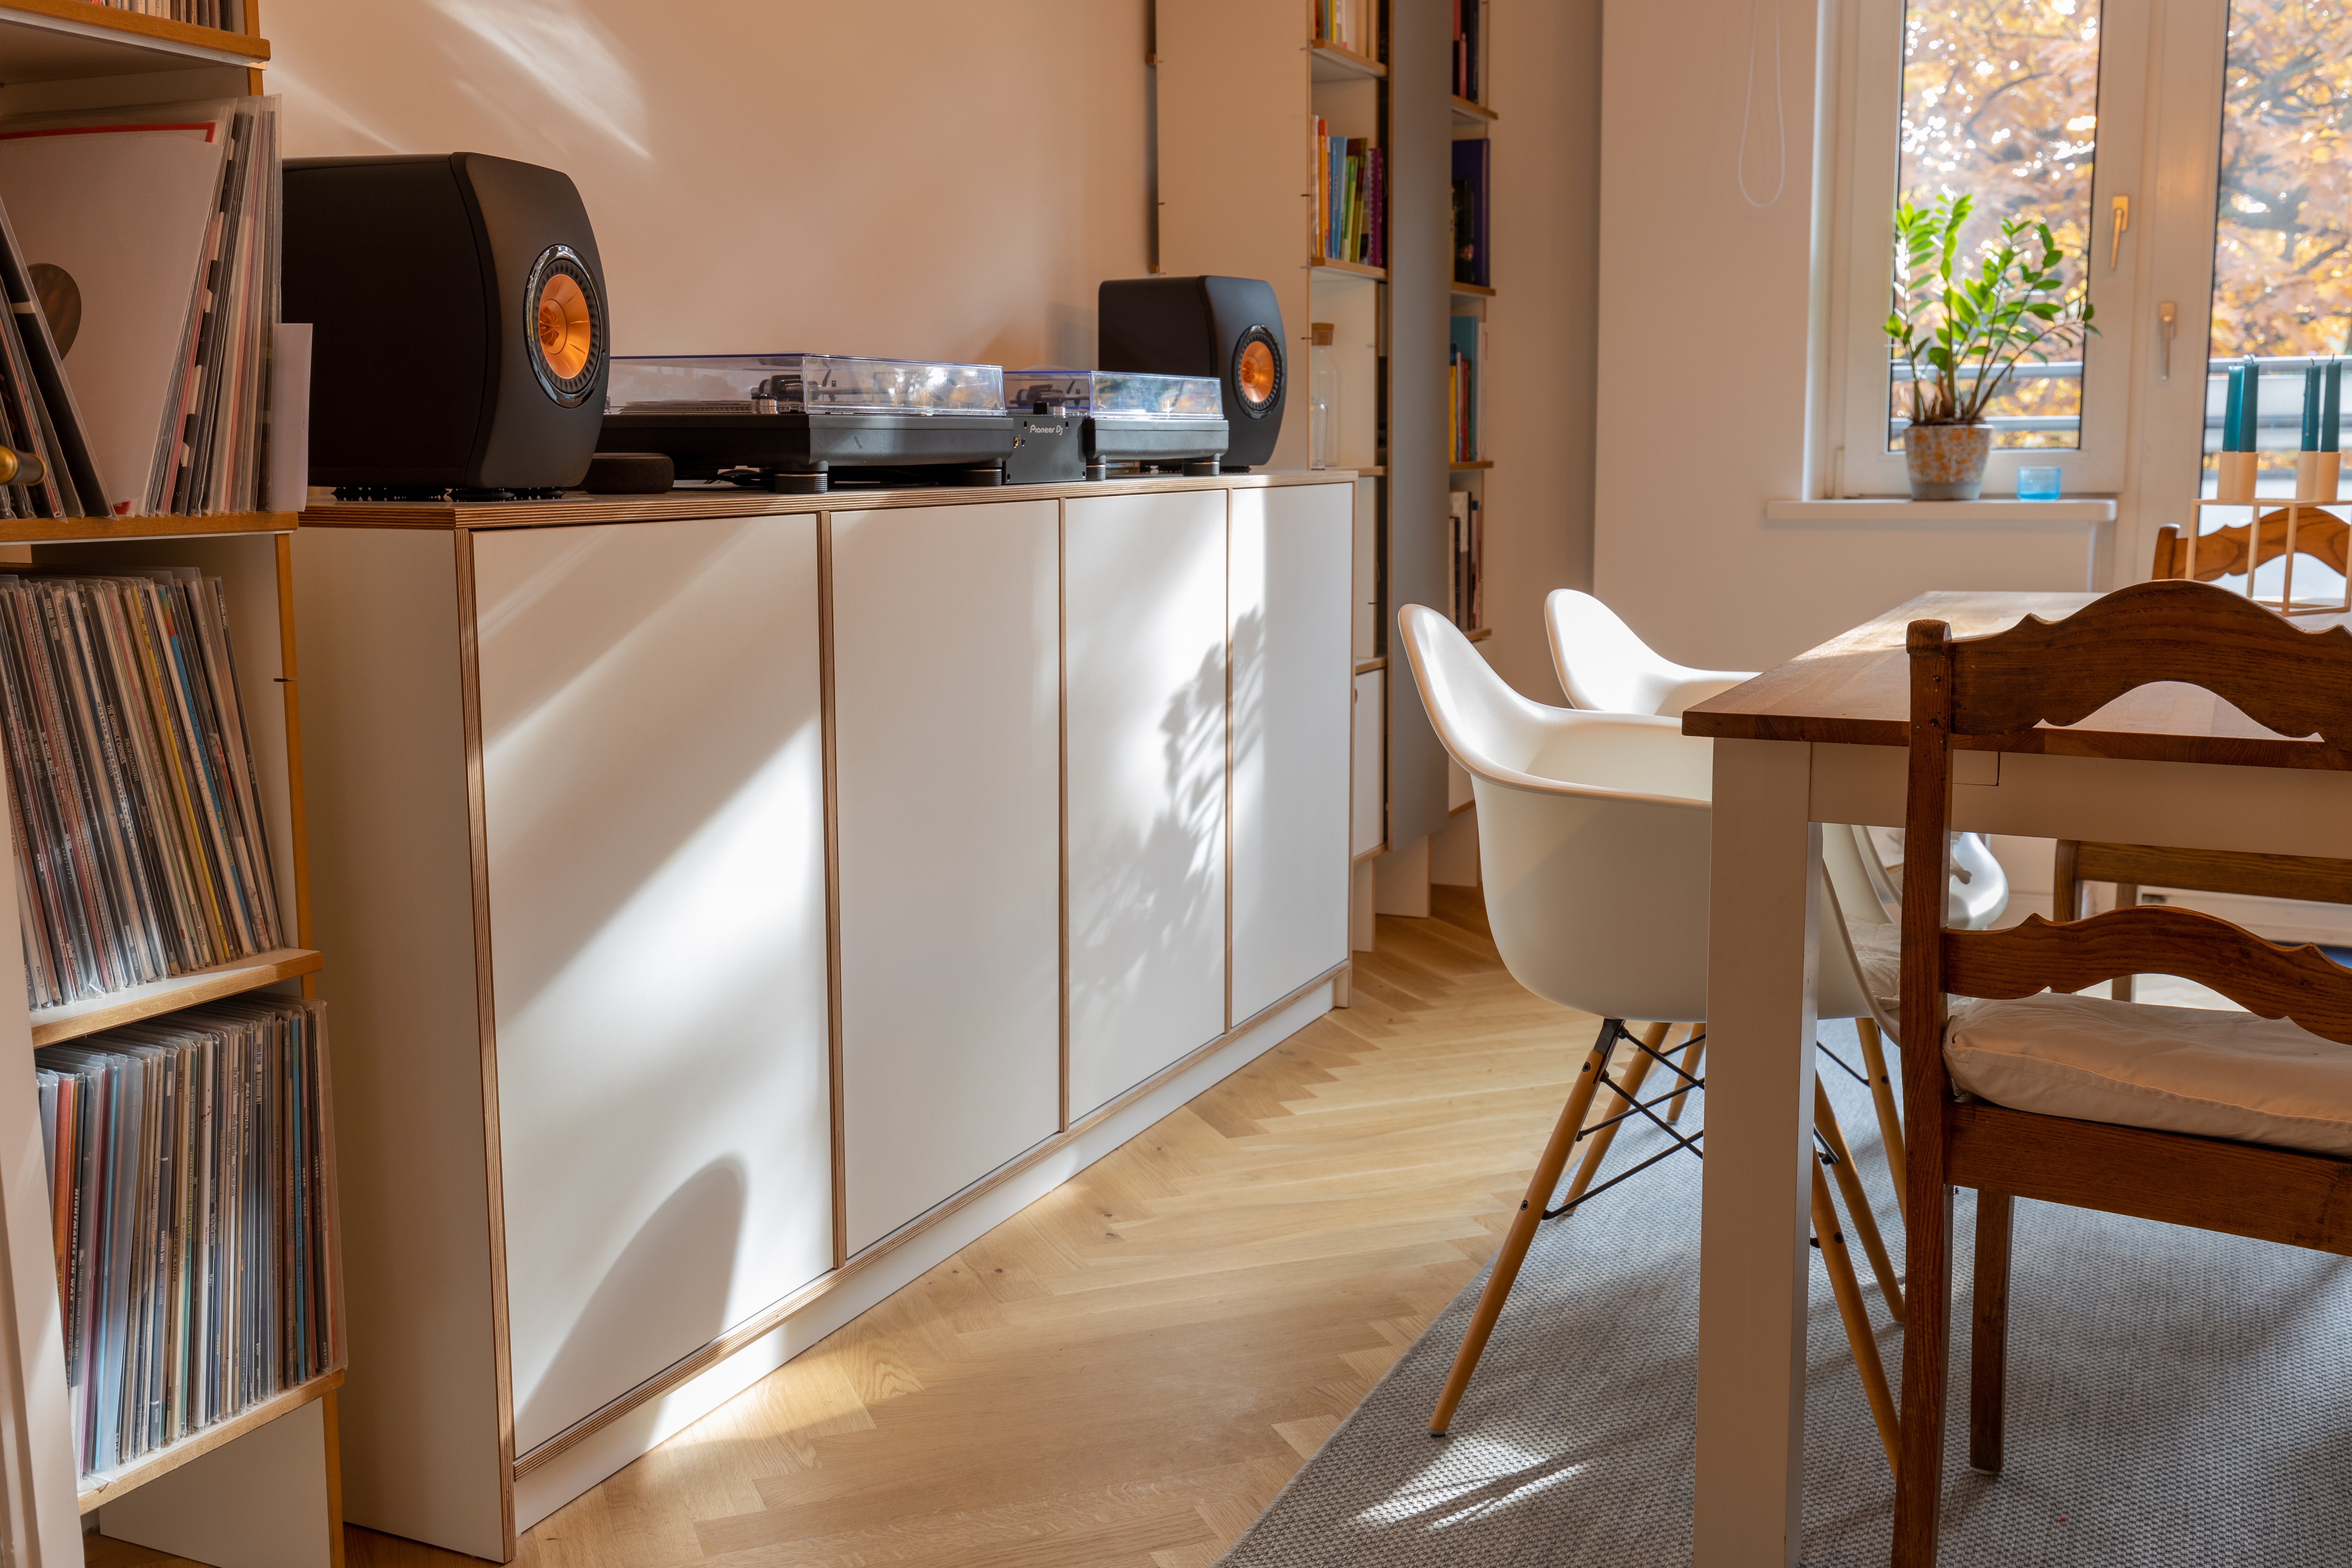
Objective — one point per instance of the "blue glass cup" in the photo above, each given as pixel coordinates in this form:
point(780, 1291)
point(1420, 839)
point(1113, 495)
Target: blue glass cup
point(2037, 484)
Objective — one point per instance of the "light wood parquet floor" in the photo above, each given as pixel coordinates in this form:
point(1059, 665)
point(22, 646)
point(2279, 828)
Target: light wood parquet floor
point(1123, 1375)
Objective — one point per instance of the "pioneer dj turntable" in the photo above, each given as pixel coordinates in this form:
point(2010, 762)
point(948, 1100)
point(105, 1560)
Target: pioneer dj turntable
point(1131, 416)
point(786, 421)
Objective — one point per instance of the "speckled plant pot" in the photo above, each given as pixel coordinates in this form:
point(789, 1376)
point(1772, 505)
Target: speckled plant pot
point(1946, 462)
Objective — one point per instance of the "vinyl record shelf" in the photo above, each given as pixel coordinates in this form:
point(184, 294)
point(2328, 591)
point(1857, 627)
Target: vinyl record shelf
point(59, 44)
point(98, 1491)
point(71, 1020)
point(69, 530)
point(60, 40)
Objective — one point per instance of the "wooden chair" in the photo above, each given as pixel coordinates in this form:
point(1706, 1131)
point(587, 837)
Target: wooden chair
point(2213, 1159)
point(2131, 866)
point(2323, 537)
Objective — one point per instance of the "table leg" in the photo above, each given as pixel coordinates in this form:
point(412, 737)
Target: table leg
point(1764, 911)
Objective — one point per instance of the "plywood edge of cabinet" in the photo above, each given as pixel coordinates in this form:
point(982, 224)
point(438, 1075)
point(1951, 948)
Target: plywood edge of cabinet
point(770, 1318)
point(117, 1484)
point(681, 504)
point(1347, 269)
point(71, 1020)
point(78, 529)
point(1472, 467)
point(1468, 113)
point(1471, 290)
point(1481, 634)
point(1365, 667)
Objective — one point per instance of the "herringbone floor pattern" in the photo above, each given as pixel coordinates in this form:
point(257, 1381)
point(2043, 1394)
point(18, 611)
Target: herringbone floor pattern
point(1123, 1373)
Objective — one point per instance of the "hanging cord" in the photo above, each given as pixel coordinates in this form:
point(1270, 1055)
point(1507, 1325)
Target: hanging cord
point(1747, 107)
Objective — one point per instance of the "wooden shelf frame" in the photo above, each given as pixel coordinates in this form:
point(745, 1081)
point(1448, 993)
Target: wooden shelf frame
point(1330, 62)
point(1471, 291)
point(57, 40)
point(1481, 466)
point(111, 1486)
point(72, 1020)
point(1350, 269)
point(1468, 113)
point(74, 529)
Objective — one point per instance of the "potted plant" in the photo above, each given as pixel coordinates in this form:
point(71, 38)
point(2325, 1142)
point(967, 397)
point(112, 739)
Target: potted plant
point(1965, 336)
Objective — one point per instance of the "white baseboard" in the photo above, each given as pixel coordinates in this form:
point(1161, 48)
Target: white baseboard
point(564, 1478)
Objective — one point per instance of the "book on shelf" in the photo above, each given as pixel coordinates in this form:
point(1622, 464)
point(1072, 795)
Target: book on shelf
point(227, 14)
point(1350, 199)
point(1345, 24)
point(188, 1160)
point(1469, 63)
point(147, 241)
point(141, 847)
point(1467, 556)
point(1465, 385)
point(1471, 183)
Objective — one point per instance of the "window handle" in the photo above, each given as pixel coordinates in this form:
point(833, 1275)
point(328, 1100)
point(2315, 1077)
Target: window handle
point(2115, 235)
point(2167, 316)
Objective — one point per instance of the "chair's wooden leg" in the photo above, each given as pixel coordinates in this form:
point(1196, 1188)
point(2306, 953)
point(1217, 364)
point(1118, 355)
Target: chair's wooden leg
point(1890, 1114)
point(1926, 1366)
point(1848, 1291)
point(1636, 1073)
point(2126, 898)
point(1857, 1202)
point(1989, 1332)
point(1692, 1058)
point(2065, 896)
point(1523, 1229)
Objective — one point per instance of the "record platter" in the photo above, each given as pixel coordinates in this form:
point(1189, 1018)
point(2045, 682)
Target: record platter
point(787, 422)
point(1130, 416)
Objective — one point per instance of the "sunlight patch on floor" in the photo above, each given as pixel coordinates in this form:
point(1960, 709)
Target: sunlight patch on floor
point(1471, 1478)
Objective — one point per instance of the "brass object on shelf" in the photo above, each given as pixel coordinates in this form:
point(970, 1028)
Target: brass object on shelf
point(20, 467)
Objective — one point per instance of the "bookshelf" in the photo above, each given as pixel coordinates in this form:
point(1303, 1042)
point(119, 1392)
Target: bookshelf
point(259, 1485)
point(1229, 203)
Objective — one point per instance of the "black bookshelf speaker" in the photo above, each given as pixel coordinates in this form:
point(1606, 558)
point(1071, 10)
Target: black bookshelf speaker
point(459, 332)
point(1230, 328)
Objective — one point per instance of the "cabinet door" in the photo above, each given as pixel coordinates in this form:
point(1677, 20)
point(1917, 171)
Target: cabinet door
point(652, 783)
point(1146, 691)
point(946, 629)
point(1293, 688)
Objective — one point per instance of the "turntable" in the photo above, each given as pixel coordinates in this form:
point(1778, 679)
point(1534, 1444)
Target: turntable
point(786, 421)
point(1130, 416)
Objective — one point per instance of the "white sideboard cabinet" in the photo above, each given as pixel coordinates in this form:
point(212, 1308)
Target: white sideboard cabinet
point(745, 900)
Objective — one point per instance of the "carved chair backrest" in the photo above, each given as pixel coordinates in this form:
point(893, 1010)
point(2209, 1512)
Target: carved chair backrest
point(1988, 692)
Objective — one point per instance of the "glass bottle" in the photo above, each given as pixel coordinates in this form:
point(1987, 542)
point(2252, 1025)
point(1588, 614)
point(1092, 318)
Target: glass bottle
point(1323, 400)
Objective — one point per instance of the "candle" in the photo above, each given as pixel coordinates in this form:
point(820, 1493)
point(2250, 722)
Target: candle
point(2249, 437)
point(2311, 406)
point(2233, 418)
point(2331, 413)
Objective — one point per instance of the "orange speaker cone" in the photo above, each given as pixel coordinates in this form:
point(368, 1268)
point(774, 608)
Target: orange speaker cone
point(566, 335)
point(1253, 374)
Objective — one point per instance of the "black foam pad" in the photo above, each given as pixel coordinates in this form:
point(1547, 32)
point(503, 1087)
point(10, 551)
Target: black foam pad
point(630, 474)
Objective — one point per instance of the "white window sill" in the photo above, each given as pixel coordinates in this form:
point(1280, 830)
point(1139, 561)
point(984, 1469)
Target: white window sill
point(1897, 509)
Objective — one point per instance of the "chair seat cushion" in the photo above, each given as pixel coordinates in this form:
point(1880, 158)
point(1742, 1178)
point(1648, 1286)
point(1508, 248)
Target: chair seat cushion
point(2179, 1070)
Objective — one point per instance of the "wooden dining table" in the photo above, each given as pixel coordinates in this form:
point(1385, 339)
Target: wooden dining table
point(1822, 738)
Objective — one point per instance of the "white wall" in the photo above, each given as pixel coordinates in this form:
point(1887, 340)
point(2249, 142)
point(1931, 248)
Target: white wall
point(923, 178)
point(1545, 70)
point(1702, 387)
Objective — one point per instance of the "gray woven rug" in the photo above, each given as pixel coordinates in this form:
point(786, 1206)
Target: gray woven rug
point(2175, 1398)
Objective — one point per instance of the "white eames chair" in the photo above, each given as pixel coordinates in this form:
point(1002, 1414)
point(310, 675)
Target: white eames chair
point(1605, 666)
point(1593, 837)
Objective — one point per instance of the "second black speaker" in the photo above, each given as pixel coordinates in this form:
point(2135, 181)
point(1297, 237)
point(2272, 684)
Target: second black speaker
point(1230, 328)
